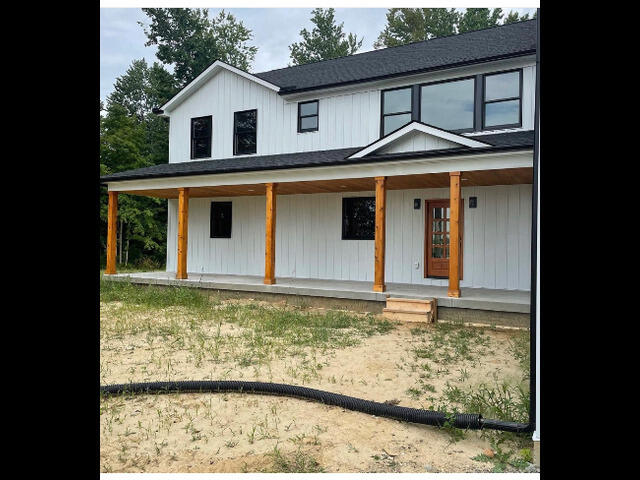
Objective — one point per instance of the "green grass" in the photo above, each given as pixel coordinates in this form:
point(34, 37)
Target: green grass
point(296, 462)
point(188, 319)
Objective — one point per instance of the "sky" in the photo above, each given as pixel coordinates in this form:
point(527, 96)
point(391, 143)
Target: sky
point(274, 29)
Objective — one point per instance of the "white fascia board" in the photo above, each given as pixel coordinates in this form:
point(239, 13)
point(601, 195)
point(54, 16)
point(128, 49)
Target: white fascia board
point(462, 163)
point(210, 72)
point(421, 127)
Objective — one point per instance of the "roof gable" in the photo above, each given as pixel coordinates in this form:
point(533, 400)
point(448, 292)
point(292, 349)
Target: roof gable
point(210, 72)
point(418, 136)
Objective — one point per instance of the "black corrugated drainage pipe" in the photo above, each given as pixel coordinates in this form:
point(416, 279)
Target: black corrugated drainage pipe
point(470, 421)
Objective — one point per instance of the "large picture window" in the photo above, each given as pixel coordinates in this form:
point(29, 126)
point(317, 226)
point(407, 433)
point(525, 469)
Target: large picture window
point(201, 137)
point(448, 105)
point(244, 132)
point(308, 116)
point(396, 109)
point(502, 103)
point(358, 218)
point(220, 220)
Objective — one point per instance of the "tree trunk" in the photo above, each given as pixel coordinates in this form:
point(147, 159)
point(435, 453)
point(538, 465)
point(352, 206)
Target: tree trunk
point(126, 253)
point(120, 246)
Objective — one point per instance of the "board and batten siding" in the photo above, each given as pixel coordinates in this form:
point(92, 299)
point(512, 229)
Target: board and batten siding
point(496, 248)
point(346, 119)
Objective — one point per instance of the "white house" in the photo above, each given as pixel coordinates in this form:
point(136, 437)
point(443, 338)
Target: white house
point(404, 171)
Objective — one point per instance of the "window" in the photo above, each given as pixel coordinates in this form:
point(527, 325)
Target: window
point(220, 220)
point(396, 109)
point(448, 105)
point(358, 218)
point(502, 100)
point(201, 137)
point(244, 132)
point(308, 116)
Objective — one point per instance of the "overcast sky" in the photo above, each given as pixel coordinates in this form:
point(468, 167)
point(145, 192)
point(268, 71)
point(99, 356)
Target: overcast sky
point(274, 29)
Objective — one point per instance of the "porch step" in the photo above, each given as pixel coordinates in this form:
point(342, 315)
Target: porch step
point(411, 310)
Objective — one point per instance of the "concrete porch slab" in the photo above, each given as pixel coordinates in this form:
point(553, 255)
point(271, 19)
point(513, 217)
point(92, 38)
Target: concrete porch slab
point(515, 301)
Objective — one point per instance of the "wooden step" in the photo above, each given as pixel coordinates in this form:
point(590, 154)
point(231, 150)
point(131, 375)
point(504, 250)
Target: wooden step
point(411, 309)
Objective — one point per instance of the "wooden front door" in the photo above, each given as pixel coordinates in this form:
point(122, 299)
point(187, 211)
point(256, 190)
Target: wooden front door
point(437, 227)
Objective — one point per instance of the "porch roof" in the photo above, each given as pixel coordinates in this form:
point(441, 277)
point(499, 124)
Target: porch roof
point(506, 141)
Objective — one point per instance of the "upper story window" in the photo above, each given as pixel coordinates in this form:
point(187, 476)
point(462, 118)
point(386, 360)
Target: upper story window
point(482, 102)
point(308, 116)
point(396, 109)
point(358, 218)
point(201, 137)
point(449, 105)
point(502, 105)
point(244, 132)
point(220, 221)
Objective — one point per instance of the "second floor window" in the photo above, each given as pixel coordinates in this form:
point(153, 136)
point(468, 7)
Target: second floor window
point(201, 137)
point(308, 116)
point(396, 109)
point(448, 105)
point(502, 99)
point(245, 132)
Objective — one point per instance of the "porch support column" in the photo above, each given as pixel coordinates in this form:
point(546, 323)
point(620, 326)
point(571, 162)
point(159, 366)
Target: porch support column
point(270, 236)
point(183, 230)
point(381, 200)
point(454, 235)
point(112, 221)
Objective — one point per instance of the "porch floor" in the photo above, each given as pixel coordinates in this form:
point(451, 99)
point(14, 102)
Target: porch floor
point(516, 301)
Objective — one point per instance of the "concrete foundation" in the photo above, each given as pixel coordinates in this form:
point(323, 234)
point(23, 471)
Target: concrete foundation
point(536, 453)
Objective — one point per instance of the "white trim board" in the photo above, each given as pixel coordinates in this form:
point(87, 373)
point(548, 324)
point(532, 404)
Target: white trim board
point(205, 76)
point(462, 163)
point(419, 127)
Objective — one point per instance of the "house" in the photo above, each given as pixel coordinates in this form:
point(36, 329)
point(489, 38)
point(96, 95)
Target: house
point(405, 171)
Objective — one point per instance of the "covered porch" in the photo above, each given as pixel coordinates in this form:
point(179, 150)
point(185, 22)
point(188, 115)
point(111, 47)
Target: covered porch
point(448, 289)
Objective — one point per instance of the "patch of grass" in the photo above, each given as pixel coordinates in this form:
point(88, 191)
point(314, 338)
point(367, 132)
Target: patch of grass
point(296, 462)
point(448, 343)
point(506, 460)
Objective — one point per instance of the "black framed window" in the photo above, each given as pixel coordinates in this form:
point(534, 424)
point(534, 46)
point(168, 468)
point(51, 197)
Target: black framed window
point(220, 222)
point(502, 100)
point(358, 218)
point(396, 109)
point(308, 116)
point(449, 105)
point(245, 132)
point(201, 137)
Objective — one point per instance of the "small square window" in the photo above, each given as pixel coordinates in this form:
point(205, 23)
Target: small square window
point(502, 102)
point(358, 218)
point(221, 215)
point(308, 116)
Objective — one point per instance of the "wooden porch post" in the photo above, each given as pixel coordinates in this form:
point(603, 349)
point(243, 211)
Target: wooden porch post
point(454, 235)
point(183, 230)
point(381, 200)
point(270, 236)
point(111, 233)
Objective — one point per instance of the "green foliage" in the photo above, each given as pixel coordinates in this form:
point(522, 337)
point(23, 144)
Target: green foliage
point(326, 40)
point(190, 41)
point(407, 25)
point(479, 18)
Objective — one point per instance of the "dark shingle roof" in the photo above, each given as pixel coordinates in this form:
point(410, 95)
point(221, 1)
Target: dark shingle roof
point(510, 140)
point(445, 52)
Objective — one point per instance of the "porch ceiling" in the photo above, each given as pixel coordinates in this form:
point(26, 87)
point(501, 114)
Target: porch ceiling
point(506, 176)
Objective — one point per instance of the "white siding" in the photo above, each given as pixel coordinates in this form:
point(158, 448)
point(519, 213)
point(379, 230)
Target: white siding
point(349, 118)
point(417, 141)
point(496, 246)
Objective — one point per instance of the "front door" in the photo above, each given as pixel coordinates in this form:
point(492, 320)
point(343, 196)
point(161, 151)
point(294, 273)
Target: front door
point(437, 239)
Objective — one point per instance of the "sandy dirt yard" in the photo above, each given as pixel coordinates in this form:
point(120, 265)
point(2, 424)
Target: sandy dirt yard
point(152, 336)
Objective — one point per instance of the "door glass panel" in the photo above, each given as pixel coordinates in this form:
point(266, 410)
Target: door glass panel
point(437, 252)
point(437, 225)
point(437, 239)
point(446, 240)
point(437, 213)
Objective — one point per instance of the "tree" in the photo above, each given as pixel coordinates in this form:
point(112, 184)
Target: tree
point(514, 17)
point(189, 41)
point(326, 40)
point(131, 136)
point(479, 18)
point(407, 25)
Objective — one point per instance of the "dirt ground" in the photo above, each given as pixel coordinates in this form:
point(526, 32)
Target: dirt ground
point(241, 432)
